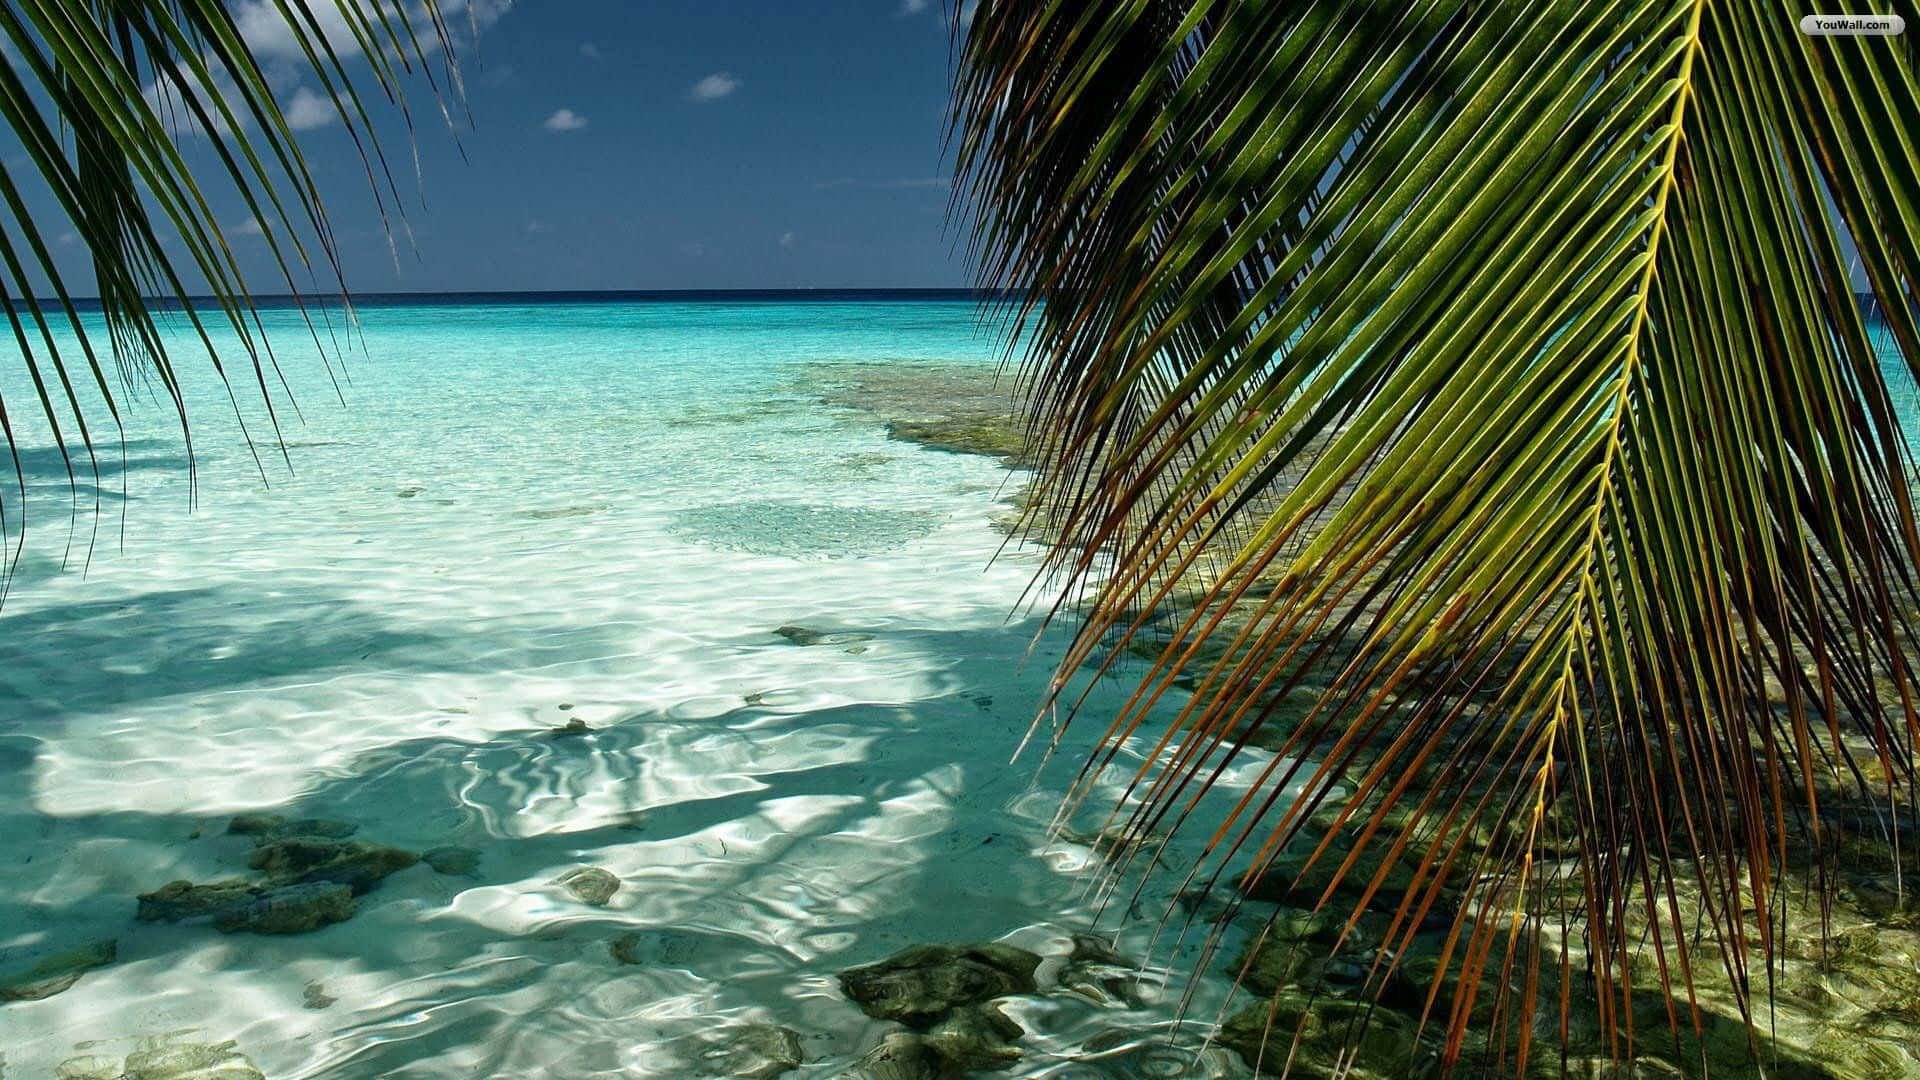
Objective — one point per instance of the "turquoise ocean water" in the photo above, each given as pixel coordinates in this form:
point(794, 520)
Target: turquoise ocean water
point(514, 514)
point(523, 514)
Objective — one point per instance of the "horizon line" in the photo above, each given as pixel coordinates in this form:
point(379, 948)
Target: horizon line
point(356, 298)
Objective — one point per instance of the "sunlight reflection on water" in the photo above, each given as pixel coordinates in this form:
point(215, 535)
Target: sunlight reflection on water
point(529, 517)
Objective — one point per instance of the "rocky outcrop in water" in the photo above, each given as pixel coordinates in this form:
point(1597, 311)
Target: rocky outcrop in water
point(902, 1055)
point(920, 986)
point(162, 1059)
point(1336, 1038)
point(310, 874)
point(946, 992)
point(803, 636)
point(589, 884)
point(294, 909)
point(356, 864)
point(1096, 972)
point(976, 1037)
point(184, 901)
point(1840, 1008)
point(235, 905)
point(52, 974)
point(954, 408)
point(754, 1052)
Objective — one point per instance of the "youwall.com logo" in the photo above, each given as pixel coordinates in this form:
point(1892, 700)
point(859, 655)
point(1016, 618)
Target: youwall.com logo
point(1852, 25)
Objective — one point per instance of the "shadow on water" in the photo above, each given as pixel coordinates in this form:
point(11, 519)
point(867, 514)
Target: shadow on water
point(110, 459)
point(760, 851)
point(102, 654)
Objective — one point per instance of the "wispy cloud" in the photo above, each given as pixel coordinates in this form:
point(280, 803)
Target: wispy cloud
point(896, 184)
point(537, 227)
point(787, 239)
point(590, 51)
point(270, 37)
point(308, 110)
point(565, 120)
point(913, 7)
point(249, 227)
point(713, 87)
point(178, 117)
point(268, 34)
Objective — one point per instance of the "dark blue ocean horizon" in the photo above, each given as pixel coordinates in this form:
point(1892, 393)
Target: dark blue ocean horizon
point(267, 301)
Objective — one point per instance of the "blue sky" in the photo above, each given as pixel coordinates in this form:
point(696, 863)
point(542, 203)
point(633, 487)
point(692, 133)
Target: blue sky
point(659, 144)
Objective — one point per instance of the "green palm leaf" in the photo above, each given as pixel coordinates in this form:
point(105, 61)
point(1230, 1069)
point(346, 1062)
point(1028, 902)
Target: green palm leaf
point(100, 95)
point(1492, 376)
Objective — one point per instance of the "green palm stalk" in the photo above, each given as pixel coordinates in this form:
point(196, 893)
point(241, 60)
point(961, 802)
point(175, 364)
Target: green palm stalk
point(1491, 377)
point(100, 94)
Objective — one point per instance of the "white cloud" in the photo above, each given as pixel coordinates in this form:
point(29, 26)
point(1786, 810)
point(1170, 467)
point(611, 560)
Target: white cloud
point(590, 51)
point(565, 120)
point(537, 227)
point(713, 87)
point(272, 40)
point(249, 227)
point(787, 239)
point(268, 34)
point(177, 115)
point(309, 110)
point(913, 7)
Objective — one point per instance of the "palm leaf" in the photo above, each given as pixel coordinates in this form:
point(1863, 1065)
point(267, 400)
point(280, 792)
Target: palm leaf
point(1491, 376)
point(99, 95)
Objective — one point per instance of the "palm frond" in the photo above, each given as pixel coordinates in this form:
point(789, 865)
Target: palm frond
point(1493, 377)
point(101, 97)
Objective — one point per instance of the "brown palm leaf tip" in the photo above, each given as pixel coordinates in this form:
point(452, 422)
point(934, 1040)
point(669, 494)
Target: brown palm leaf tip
point(1484, 391)
point(101, 96)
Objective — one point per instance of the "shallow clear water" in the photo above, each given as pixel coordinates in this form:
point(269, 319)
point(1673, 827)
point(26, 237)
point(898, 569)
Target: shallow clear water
point(525, 514)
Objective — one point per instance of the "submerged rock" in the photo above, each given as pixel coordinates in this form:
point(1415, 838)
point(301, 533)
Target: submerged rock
point(315, 996)
point(976, 1037)
point(1291, 881)
point(1318, 951)
point(921, 985)
point(304, 859)
point(161, 1059)
point(189, 1061)
point(88, 1067)
point(803, 636)
point(628, 949)
point(177, 901)
point(754, 1052)
point(1098, 973)
point(256, 824)
point(901, 1056)
point(236, 905)
point(572, 727)
point(589, 884)
point(1335, 1038)
point(52, 974)
point(294, 909)
point(457, 861)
